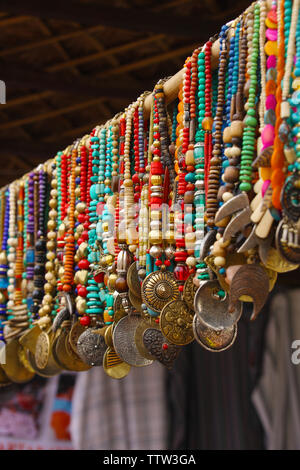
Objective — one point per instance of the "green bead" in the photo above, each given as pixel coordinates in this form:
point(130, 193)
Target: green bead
point(245, 186)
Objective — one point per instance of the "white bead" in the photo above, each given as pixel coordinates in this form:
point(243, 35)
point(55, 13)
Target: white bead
point(226, 196)
point(219, 261)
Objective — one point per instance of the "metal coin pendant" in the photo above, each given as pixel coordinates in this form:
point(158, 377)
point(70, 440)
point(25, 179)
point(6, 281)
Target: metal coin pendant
point(158, 289)
point(29, 338)
point(136, 302)
point(42, 350)
point(176, 322)
point(133, 280)
point(287, 241)
point(213, 310)
point(144, 325)
point(113, 365)
point(76, 330)
point(14, 369)
point(189, 291)
point(50, 370)
point(58, 349)
point(213, 340)
point(119, 310)
point(91, 348)
point(124, 343)
point(72, 359)
point(159, 347)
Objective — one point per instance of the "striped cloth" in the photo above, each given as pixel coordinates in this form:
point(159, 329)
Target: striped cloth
point(210, 393)
point(277, 395)
point(126, 414)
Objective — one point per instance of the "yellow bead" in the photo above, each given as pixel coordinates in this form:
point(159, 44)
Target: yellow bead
point(271, 48)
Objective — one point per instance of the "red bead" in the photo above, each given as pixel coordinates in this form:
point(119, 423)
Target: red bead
point(167, 262)
point(180, 288)
point(99, 277)
point(81, 218)
point(82, 291)
point(85, 235)
point(85, 321)
point(135, 178)
point(158, 262)
point(83, 264)
point(181, 272)
point(165, 346)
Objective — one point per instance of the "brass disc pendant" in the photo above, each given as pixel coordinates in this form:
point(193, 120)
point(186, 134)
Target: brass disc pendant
point(29, 338)
point(42, 350)
point(133, 280)
point(176, 323)
point(124, 344)
point(213, 340)
point(58, 349)
point(14, 369)
point(65, 356)
point(73, 360)
point(189, 291)
point(91, 348)
point(143, 325)
point(158, 289)
point(213, 310)
point(113, 365)
point(50, 370)
point(135, 301)
point(119, 310)
point(159, 347)
point(76, 330)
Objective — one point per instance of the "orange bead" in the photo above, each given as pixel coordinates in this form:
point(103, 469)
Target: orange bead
point(277, 178)
point(207, 123)
point(277, 159)
point(276, 197)
point(265, 173)
point(270, 87)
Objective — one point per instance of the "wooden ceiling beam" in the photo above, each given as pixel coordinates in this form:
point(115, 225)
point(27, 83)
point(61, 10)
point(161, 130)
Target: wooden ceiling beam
point(49, 114)
point(134, 19)
point(149, 61)
point(22, 77)
point(106, 52)
point(52, 40)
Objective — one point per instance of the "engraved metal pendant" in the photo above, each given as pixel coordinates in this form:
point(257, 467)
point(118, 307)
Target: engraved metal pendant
point(176, 323)
point(124, 341)
point(213, 340)
point(158, 289)
point(159, 347)
point(91, 347)
point(213, 309)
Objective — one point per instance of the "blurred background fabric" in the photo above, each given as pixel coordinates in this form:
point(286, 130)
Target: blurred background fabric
point(209, 394)
point(130, 413)
point(277, 395)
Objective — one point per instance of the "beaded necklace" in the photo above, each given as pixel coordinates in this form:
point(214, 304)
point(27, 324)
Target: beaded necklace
point(215, 163)
point(50, 285)
point(248, 145)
